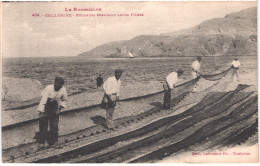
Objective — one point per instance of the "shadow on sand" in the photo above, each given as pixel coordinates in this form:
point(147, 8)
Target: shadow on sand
point(99, 120)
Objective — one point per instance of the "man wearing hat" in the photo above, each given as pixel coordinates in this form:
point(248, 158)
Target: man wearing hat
point(195, 66)
point(112, 87)
point(168, 86)
point(53, 100)
point(235, 66)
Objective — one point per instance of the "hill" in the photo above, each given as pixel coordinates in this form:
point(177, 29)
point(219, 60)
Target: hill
point(235, 34)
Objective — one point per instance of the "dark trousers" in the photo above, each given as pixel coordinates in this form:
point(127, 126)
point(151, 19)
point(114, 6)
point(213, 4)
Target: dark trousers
point(109, 115)
point(167, 95)
point(52, 135)
point(110, 109)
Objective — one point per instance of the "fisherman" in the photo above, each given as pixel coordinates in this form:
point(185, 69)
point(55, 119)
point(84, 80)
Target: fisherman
point(112, 87)
point(99, 81)
point(235, 66)
point(195, 66)
point(168, 86)
point(54, 98)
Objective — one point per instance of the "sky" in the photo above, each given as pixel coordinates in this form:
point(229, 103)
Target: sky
point(24, 35)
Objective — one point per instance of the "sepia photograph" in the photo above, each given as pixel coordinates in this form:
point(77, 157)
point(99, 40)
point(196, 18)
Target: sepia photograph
point(129, 82)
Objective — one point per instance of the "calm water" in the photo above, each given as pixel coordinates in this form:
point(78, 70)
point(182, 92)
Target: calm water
point(80, 73)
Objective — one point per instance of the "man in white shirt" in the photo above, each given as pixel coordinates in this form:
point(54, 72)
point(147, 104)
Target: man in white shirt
point(54, 98)
point(168, 85)
point(112, 89)
point(235, 66)
point(195, 66)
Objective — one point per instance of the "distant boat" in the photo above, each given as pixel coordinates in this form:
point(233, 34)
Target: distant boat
point(130, 55)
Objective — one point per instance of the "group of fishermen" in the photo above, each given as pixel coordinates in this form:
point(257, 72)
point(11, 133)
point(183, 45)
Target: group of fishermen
point(54, 99)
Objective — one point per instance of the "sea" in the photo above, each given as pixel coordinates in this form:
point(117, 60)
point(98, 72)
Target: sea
point(80, 73)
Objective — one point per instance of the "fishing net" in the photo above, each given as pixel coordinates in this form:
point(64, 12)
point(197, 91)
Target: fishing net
point(215, 77)
point(204, 82)
point(187, 86)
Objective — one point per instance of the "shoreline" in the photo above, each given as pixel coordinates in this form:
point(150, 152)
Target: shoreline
point(147, 57)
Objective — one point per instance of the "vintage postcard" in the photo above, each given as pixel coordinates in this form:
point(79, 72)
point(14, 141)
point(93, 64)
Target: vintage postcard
point(129, 82)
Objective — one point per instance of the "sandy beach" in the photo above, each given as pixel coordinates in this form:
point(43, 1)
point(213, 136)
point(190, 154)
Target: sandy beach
point(92, 118)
